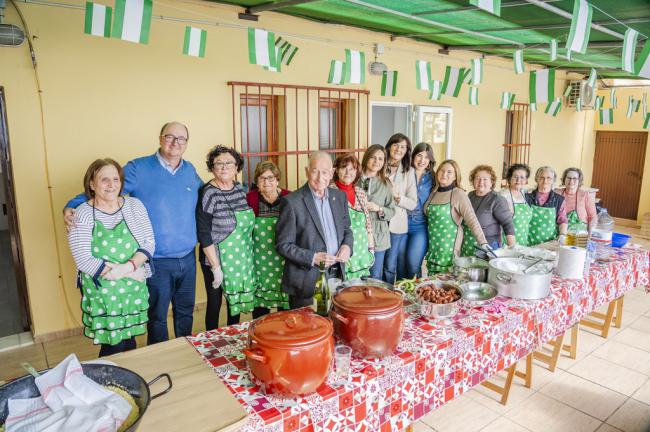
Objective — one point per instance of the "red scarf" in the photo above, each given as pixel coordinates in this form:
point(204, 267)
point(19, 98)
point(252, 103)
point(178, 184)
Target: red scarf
point(349, 191)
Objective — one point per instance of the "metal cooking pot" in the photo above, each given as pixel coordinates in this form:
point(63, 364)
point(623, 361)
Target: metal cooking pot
point(471, 268)
point(131, 382)
point(536, 284)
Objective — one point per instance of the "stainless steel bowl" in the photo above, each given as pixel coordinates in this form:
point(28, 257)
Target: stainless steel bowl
point(471, 268)
point(439, 310)
point(365, 281)
point(478, 293)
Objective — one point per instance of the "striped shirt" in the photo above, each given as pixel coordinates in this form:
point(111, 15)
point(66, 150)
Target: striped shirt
point(81, 234)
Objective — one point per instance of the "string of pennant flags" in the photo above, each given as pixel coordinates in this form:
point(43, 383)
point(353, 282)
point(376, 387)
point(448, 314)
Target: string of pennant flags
point(130, 20)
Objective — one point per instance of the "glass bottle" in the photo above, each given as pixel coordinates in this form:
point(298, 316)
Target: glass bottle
point(322, 296)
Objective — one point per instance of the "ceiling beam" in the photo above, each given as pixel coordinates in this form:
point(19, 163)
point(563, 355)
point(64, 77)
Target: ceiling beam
point(431, 22)
point(275, 5)
point(471, 8)
point(565, 14)
point(613, 44)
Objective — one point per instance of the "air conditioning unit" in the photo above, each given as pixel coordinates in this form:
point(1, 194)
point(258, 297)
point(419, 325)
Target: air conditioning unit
point(581, 89)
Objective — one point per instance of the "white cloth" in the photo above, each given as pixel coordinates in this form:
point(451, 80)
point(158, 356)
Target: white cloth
point(69, 401)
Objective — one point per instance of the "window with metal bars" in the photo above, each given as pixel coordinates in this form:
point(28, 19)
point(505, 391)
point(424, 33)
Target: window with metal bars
point(284, 123)
point(516, 147)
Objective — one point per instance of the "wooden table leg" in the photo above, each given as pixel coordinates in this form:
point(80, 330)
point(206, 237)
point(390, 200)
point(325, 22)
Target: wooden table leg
point(409, 428)
point(618, 320)
point(505, 390)
point(572, 349)
point(607, 319)
point(527, 375)
point(551, 360)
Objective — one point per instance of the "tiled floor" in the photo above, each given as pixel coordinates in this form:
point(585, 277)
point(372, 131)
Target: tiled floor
point(9, 310)
point(606, 389)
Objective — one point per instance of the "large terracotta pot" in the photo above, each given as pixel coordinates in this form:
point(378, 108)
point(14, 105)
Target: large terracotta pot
point(369, 319)
point(290, 352)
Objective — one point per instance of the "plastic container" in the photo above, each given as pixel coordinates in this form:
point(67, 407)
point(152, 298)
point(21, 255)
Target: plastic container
point(600, 238)
point(620, 240)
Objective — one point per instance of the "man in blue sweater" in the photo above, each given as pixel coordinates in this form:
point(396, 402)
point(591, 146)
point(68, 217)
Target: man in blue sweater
point(168, 187)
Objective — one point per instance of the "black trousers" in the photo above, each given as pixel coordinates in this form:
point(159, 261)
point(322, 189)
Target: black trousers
point(215, 297)
point(124, 345)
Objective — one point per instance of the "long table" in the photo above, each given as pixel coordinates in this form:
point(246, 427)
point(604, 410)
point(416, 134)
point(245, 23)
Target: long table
point(436, 361)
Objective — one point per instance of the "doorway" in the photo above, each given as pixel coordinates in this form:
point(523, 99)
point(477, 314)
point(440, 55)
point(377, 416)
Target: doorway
point(14, 316)
point(433, 126)
point(618, 171)
point(389, 119)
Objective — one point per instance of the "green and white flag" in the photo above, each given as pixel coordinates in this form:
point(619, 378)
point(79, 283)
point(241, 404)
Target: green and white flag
point(286, 51)
point(646, 121)
point(436, 90)
point(194, 44)
point(261, 47)
point(554, 107)
point(507, 99)
point(422, 74)
point(337, 75)
point(355, 66)
point(389, 83)
point(591, 82)
point(644, 105)
point(533, 107)
point(632, 106)
point(132, 20)
point(473, 95)
point(453, 81)
point(599, 102)
point(606, 116)
point(518, 58)
point(567, 91)
point(553, 49)
point(642, 66)
point(98, 20)
point(580, 27)
point(541, 86)
point(629, 50)
point(613, 100)
point(476, 75)
point(492, 6)
point(578, 104)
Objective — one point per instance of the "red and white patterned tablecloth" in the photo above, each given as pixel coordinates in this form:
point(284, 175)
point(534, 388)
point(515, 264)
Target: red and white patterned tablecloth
point(434, 363)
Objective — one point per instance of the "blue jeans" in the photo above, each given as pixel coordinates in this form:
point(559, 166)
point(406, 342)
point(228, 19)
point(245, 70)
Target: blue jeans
point(377, 269)
point(395, 261)
point(417, 242)
point(173, 281)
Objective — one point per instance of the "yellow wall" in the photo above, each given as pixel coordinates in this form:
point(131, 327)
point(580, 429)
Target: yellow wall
point(104, 97)
point(633, 124)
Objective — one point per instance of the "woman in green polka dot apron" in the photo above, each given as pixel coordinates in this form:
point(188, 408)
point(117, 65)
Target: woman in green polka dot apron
point(268, 265)
point(469, 241)
point(362, 259)
point(544, 222)
point(236, 255)
point(543, 227)
point(575, 223)
point(114, 310)
point(521, 218)
point(442, 236)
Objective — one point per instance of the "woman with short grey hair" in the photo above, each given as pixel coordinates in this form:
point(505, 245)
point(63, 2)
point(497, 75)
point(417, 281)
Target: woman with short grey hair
point(549, 210)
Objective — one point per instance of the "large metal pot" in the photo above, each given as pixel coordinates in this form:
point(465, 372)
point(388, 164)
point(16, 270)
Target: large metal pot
point(471, 268)
point(290, 352)
point(507, 275)
point(369, 319)
point(131, 382)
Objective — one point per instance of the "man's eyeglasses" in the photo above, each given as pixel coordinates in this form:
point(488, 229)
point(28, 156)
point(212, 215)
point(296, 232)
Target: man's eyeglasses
point(224, 165)
point(181, 140)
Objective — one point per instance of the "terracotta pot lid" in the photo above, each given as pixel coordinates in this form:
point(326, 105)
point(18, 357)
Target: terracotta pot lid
point(291, 328)
point(367, 299)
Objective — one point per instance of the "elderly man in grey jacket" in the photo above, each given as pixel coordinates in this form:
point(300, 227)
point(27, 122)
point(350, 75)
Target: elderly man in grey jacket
point(313, 227)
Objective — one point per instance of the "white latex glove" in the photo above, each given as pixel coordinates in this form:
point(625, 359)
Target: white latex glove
point(118, 271)
point(218, 277)
point(139, 274)
point(562, 239)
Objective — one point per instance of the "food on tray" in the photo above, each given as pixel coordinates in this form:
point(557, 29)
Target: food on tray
point(442, 294)
point(135, 411)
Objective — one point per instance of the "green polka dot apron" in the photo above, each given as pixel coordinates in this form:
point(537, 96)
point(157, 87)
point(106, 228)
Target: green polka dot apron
point(269, 265)
point(523, 214)
point(236, 255)
point(113, 311)
point(574, 221)
point(469, 240)
point(442, 236)
point(543, 226)
point(362, 259)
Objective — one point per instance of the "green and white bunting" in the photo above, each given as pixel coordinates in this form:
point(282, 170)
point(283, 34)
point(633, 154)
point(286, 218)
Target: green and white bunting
point(629, 50)
point(632, 106)
point(533, 107)
point(567, 91)
point(436, 90)
point(613, 100)
point(646, 121)
point(194, 44)
point(606, 116)
point(580, 27)
point(355, 66)
point(422, 74)
point(518, 58)
point(261, 48)
point(132, 20)
point(541, 85)
point(642, 66)
point(389, 83)
point(453, 81)
point(507, 99)
point(476, 75)
point(593, 75)
point(337, 74)
point(473, 95)
point(286, 51)
point(644, 104)
point(599, 102)
point(98, 20)
point(578, 104)
point(492, 6)
point(553, 50)
point(554, 107)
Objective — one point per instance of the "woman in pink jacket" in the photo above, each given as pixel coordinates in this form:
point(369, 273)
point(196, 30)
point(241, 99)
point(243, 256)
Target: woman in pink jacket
point(580, 204)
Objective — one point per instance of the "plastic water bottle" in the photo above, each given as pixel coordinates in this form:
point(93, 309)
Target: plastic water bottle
point(600, 238)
